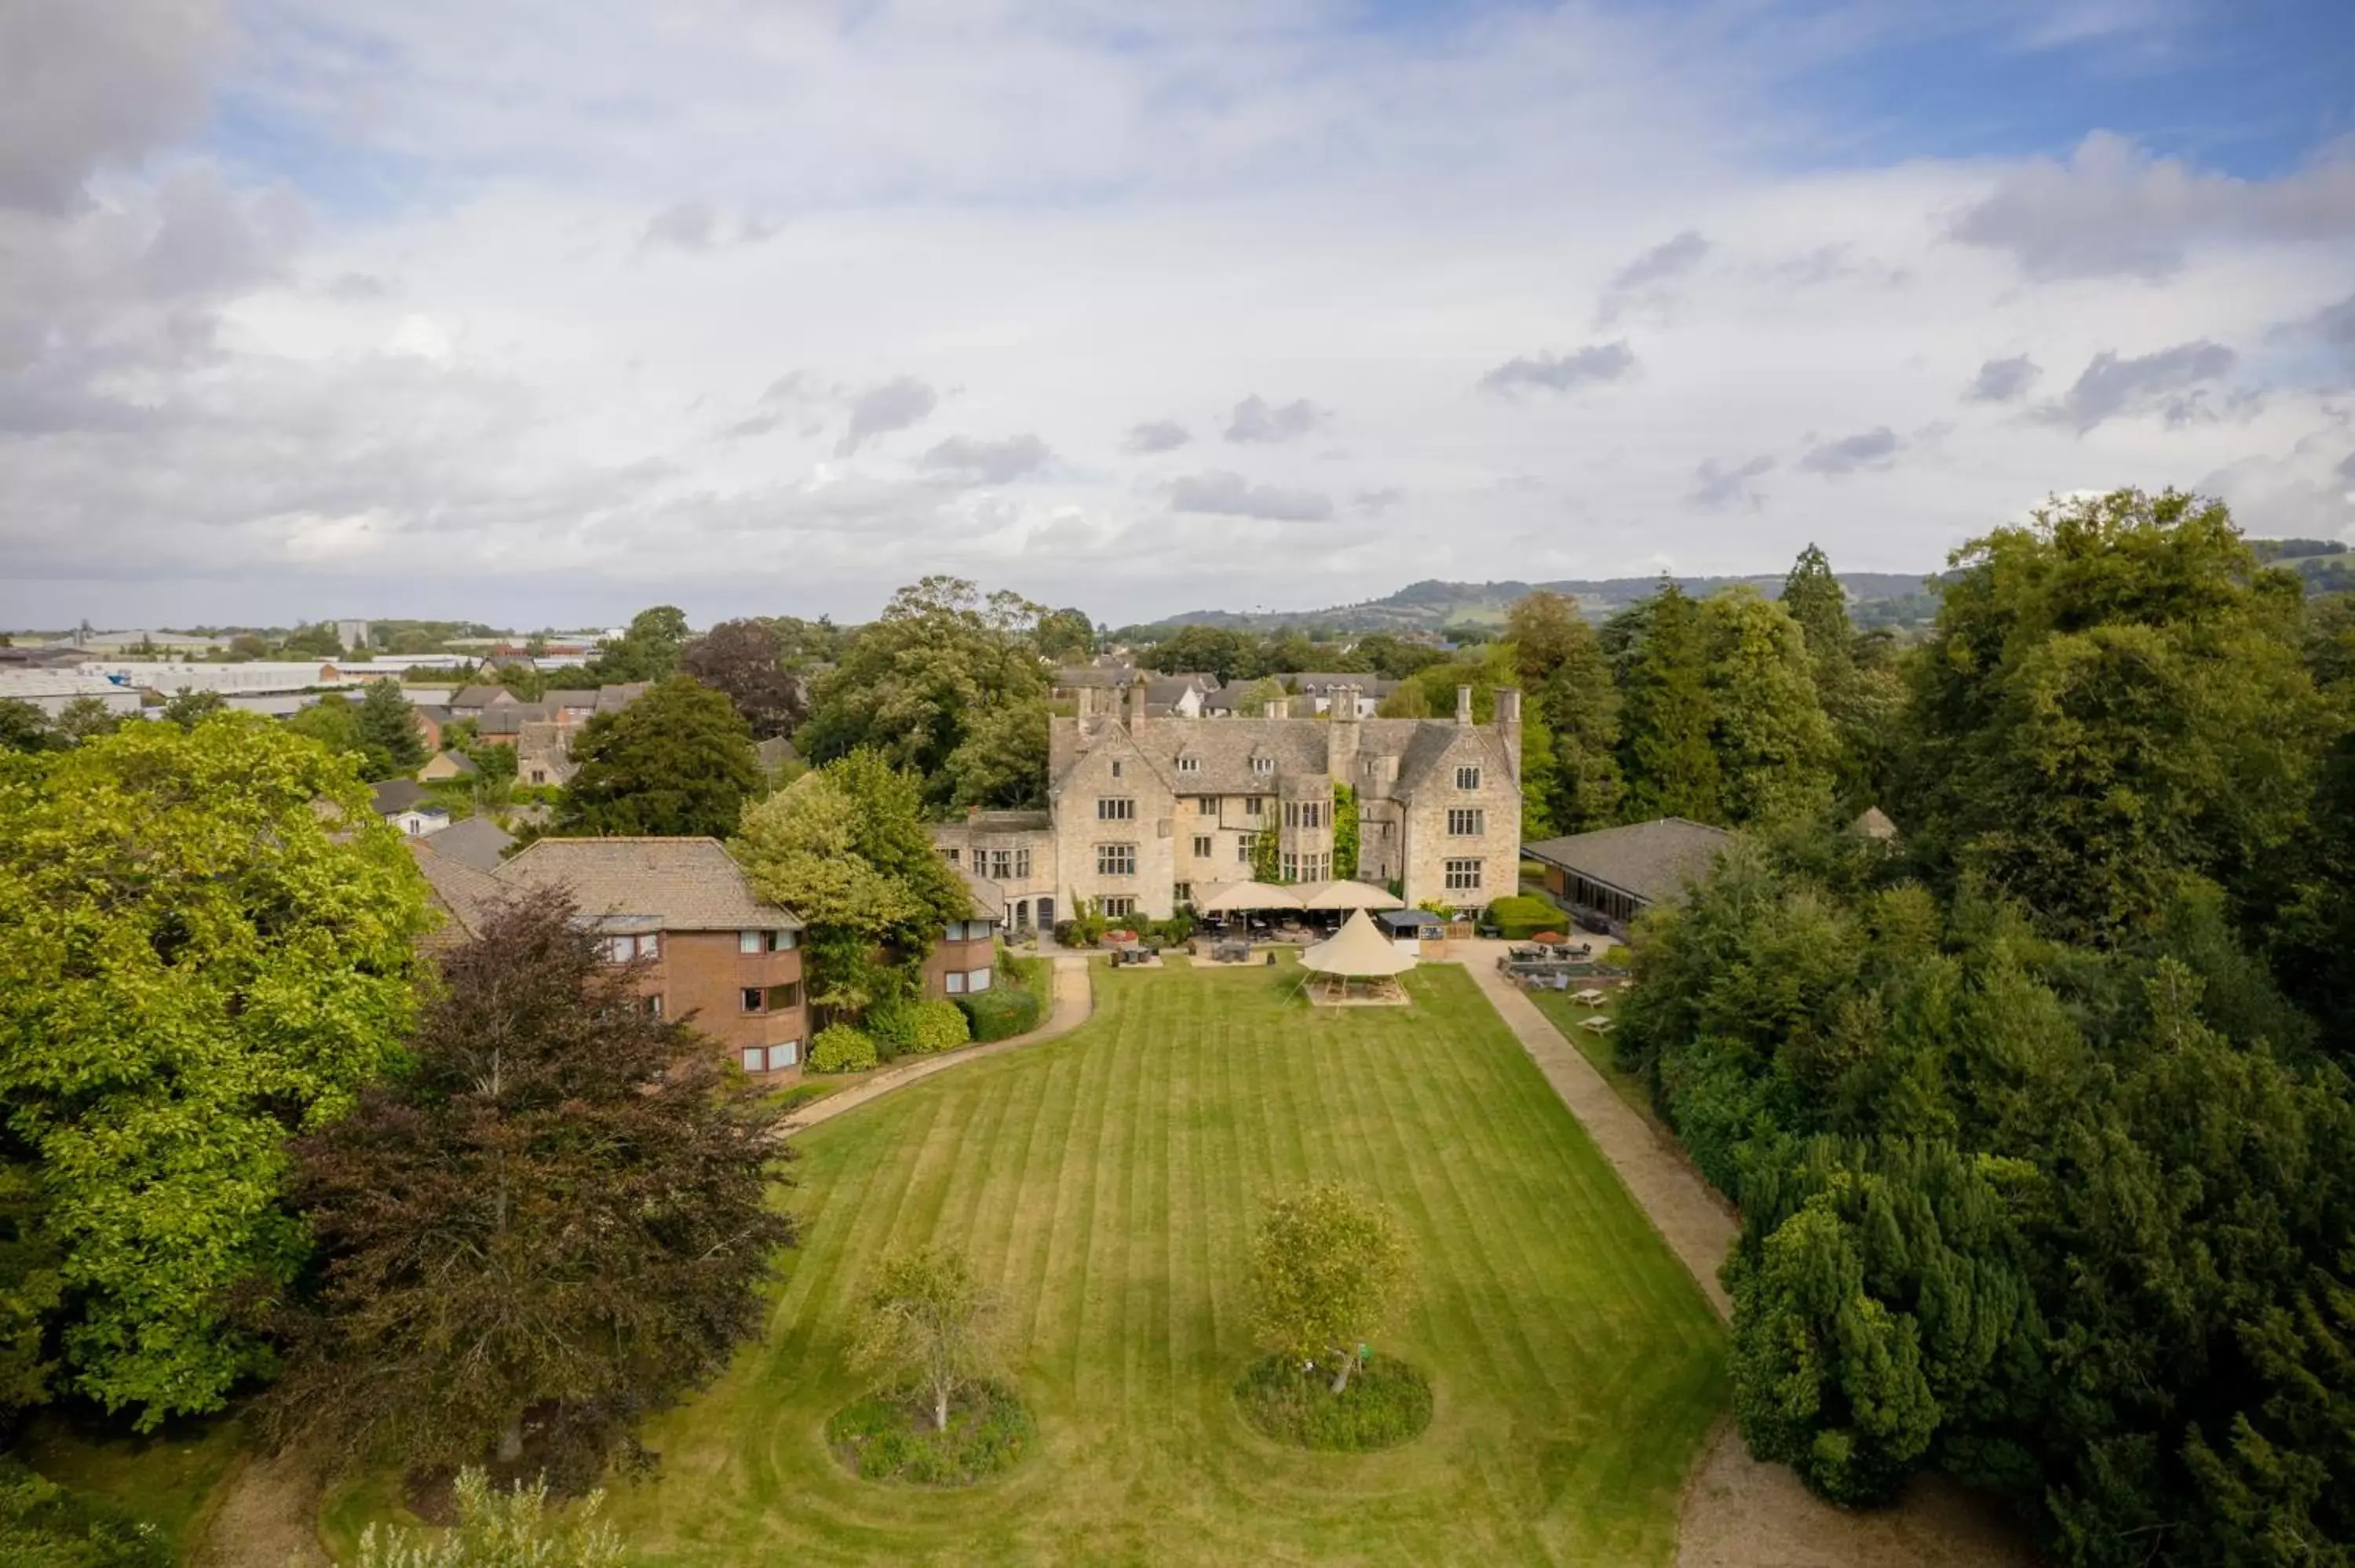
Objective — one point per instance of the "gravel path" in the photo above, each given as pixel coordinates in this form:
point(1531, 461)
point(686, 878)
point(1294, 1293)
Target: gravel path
point(1074, 1000)
point(1739, 1512)
point(269, 1520)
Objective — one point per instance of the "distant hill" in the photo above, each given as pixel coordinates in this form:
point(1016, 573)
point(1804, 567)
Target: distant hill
point(1431, 604)
point(1898, 599)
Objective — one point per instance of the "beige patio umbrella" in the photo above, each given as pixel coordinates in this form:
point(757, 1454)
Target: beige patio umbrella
point(1347, 895)
point(1234, 897)
point(1356, 951)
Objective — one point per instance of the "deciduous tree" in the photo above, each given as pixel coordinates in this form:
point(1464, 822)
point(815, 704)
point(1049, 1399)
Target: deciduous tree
point(209, 947)
point(1326, 1267)
point(746, 659)
point(558, 1214)
point(648, 651)
point(678, 760)
point(925, 1326)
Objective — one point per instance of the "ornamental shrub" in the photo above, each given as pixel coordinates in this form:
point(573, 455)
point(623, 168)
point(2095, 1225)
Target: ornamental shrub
point(839, 1048)
point(1519, 918)
point(1003, 1010)
point(917, 1028)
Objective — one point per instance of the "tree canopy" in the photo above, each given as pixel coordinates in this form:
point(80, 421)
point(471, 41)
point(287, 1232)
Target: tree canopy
point(648, 651)
point(558, 1215)
point(924, 1326)
point(209, 948)
point(749, 661)
point(1327, 1267)
point(677, 761)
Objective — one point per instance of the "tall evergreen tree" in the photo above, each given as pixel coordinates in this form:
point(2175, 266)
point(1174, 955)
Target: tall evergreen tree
point(1669, 761)
point(388, 731)
point(1775, 748)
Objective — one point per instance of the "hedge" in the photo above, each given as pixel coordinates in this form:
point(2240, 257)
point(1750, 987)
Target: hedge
point(917, 1028)
point(839, 1048)
point(1003, 1010)
point(1519, 918)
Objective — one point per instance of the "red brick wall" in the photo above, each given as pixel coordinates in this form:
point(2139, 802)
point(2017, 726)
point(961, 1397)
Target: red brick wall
point(978, 954)
point(703, 973)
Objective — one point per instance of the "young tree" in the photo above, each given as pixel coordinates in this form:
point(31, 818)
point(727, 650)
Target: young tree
point(678, 760)
point(925, 1325)
point(1671, 763)
point(1257, 696)
point(511, 1528)
point(334, 723)
point(209, 947)
point(746, 659)
point(1326, 1267)
point(388, 732)
point(560, 1213)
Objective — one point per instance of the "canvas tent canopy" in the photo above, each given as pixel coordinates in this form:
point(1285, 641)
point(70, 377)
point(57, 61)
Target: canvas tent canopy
point(1235, 897)
point(1347, 895)
point(1356, 951)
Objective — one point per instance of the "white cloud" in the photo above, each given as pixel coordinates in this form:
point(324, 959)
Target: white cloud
point(563, 392)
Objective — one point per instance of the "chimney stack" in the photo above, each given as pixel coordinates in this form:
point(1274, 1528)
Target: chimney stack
point(1508, 705)
point(1341, 744)
point(1086, 696)
point(1464, 705)
point(1137, 704)
point(1279, 707)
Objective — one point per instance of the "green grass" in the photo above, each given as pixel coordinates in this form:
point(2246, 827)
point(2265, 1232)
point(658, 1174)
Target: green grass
point(1105, 1182)
point(1568, 1015)
point(172, 1480)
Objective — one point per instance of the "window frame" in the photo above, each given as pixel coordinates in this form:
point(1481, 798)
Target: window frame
point(1461, 875)
point(1467, 776)
point(1116, 859)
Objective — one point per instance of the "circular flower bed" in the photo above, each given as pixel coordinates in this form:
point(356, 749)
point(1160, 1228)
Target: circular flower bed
point(1385, 1403)
point(884, 1437)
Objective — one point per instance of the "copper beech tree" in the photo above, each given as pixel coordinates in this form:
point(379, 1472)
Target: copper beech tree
point(558, 1218)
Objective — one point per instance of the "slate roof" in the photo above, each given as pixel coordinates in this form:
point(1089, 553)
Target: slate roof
point(465, 764)
point(477, 841)
point(1072, 676)
point(1223, 748)
point(395, 795)
point(681, 884)
point(572, 697)
point(480, 696)
point(509, 718)
point(614, 699)
point(1652, 859)
point(1004, 821)
point(1323, 686)
point(461, 892)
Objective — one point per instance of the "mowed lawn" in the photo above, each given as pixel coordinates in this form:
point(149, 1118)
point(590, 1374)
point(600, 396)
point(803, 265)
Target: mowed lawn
point(1107, 1183)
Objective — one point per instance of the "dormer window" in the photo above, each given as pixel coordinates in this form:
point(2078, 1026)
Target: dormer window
point(1263, 764)
point(1190, 765)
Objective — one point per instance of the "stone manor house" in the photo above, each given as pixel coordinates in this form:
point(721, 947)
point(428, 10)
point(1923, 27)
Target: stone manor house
point(1144, 811)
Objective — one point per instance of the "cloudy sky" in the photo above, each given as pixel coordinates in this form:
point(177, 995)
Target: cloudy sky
point(542, 311)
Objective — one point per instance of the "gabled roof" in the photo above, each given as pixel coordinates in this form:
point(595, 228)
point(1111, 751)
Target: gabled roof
point(480, 696)
point(680, 884)
point(571, 697)
point(465, 764)
point(1653, 861)
point(463, 892)
point(988, 897)
point(477, 841)
point(509, 718)
point(395, 795)
point(1874, 823)
point(614, 699)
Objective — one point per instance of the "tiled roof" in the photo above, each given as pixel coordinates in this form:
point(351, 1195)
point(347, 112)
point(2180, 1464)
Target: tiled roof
point(477, 841)
point(509, 718)
point(464, 893)
point(988, 897)
point(614, 699)
point(480, 696)
point(572, 697)
point(1651, 859)
point(1223, 748)
point(686, 884)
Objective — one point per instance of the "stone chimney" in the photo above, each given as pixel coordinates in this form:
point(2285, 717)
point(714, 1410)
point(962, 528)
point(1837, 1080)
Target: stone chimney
point(1086, 696)
point(1279, 707)
point(1464, 705)
point(1509, 725)
point(1136, 706)
point(1341, 745)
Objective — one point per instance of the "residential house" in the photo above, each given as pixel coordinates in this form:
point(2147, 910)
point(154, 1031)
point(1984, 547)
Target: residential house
point(1318, 689)
point(1142, 810)
point(714, 951)
point(420, 822)
point(1611, 875)
point(397, 795)
point(471, 702)
point(431, 718)
point(444, 765)
point(544, 755)
point(964, 959)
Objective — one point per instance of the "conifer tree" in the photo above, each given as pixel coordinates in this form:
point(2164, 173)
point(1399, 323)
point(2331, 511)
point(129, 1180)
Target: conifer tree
point(388, 731)
point(1671, 766)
